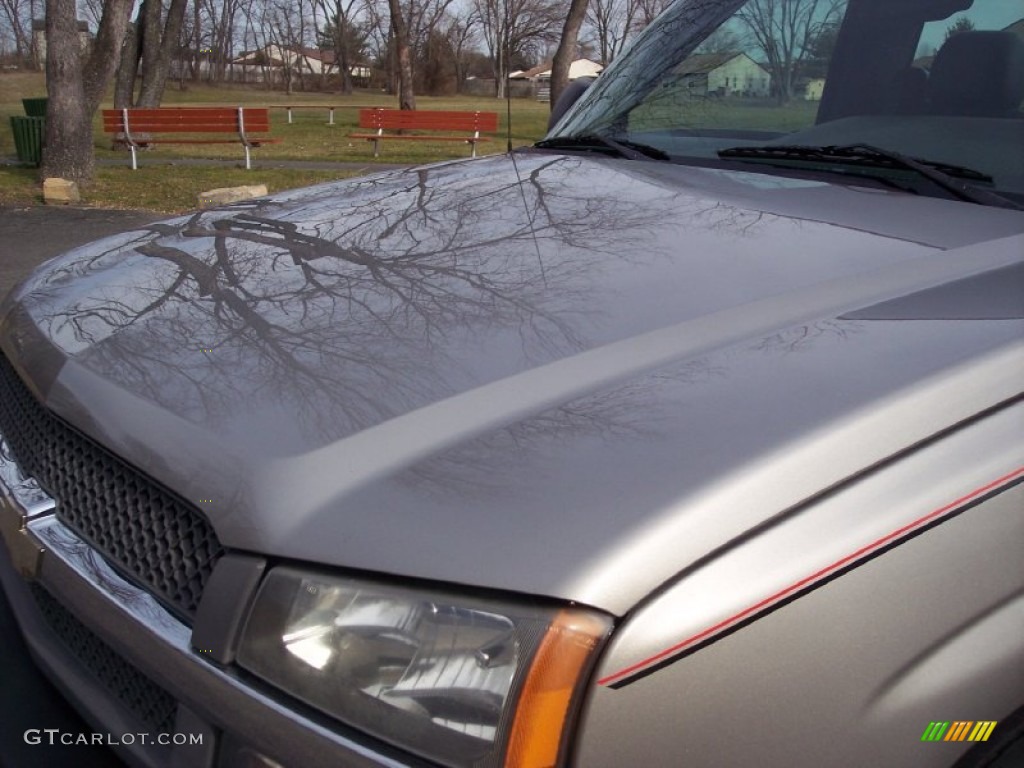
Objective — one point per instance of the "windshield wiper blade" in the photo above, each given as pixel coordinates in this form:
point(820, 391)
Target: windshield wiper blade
point(631, 150)
point(944, 175)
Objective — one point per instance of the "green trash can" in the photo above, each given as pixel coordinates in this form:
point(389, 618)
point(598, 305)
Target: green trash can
point(35, 107)
point(28, 138)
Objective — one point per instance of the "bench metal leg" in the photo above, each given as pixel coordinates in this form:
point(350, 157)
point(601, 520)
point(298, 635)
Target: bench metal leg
point(289, 110)
point(330, 120)
point(248, 161)
point(135, 165)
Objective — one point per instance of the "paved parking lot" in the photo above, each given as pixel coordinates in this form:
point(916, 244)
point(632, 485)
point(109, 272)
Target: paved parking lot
point(29, 236)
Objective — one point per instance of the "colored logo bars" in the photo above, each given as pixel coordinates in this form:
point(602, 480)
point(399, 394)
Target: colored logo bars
point(958, 730)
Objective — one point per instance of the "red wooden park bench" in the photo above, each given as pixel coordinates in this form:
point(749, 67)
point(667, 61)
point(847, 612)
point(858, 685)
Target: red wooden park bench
point(381, 120)
point(136, 126)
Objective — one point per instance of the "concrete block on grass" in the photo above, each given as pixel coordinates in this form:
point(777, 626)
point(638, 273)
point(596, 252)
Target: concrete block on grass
point(60, 192)
point(225, 195)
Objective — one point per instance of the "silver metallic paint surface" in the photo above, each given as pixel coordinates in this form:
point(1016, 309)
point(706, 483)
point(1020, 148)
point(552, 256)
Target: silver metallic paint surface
point(416, 374)
point(808, 540)
point(851, 673)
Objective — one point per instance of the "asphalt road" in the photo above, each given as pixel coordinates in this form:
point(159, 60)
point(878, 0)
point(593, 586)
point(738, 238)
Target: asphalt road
point(29, 236)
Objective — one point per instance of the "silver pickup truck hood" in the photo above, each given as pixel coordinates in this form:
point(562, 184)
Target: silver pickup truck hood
point(537, 376)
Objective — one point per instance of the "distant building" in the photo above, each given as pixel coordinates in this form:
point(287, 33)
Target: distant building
point(278, 57)
point(723, 74)
point(540, 75)
point(39, 40)
point(272, 60)
point(578, 68)
point(814, 88)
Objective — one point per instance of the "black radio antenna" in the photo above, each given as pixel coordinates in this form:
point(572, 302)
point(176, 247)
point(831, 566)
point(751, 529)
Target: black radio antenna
point(511, 154)
point(508, 80)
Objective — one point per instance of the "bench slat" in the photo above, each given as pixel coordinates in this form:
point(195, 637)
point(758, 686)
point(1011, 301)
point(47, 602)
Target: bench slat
point(427, 120)
point(189, 120)
point(254, 142)
point(198, 121)
point(442, 120)
point(141, 126)
point(417, 137)
point(210, 111)
point(182, 128)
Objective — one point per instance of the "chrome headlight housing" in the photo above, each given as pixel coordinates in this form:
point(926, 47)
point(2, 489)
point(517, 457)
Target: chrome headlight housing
point(459, 680)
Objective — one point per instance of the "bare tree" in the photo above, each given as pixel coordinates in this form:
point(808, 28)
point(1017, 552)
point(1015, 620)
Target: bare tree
point(128, 65)
point(722, 40)
point(613, 22)
point(152, 40)
point(342, 29)
point(510, 27)
point(286, 25)
point(91, 11)
point(378, 36)
point(566, 51)
point(221, 18)
point(786, 32)
point(424, 18)
point(432, 54)
point(403, 54)
point(75, 85)
point(460, 29)
point(646, 10)
point(161, 42)
point(17, 18)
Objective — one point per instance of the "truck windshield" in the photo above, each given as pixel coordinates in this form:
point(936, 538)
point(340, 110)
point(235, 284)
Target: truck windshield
point(940, 81)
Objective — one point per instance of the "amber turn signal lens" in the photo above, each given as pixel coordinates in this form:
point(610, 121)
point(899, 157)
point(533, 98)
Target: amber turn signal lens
point(552, 682)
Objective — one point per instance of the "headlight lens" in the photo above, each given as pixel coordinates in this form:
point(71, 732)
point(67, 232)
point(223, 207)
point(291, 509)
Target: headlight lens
point(437, 675)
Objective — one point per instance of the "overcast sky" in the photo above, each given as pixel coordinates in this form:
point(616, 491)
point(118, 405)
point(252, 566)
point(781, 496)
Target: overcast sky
point(986, 14)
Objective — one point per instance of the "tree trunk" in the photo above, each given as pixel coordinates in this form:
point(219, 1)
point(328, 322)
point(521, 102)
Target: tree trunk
point(68, 143)
point(406, 94)
point(501, 71)
point(156, 60)
point(566, 51)
point(127, 69)
point(344, 69)
point(74, 88)
point(150, 12)
point(197, 40)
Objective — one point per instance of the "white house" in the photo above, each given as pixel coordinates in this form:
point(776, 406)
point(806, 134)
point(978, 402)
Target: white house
point(271, 61)
point(724, 74)
point(540, 76)
point(311, 60)
point(814, 88)
point(542, 73)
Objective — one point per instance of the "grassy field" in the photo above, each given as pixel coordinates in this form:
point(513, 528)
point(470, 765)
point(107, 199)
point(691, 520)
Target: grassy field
point(173, 188)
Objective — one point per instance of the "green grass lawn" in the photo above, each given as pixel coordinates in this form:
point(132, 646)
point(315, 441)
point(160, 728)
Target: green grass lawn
point(174, 188)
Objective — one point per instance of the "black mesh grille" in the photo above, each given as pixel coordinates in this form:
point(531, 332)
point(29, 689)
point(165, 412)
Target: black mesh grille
point(148, 533)
point(140, 695)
